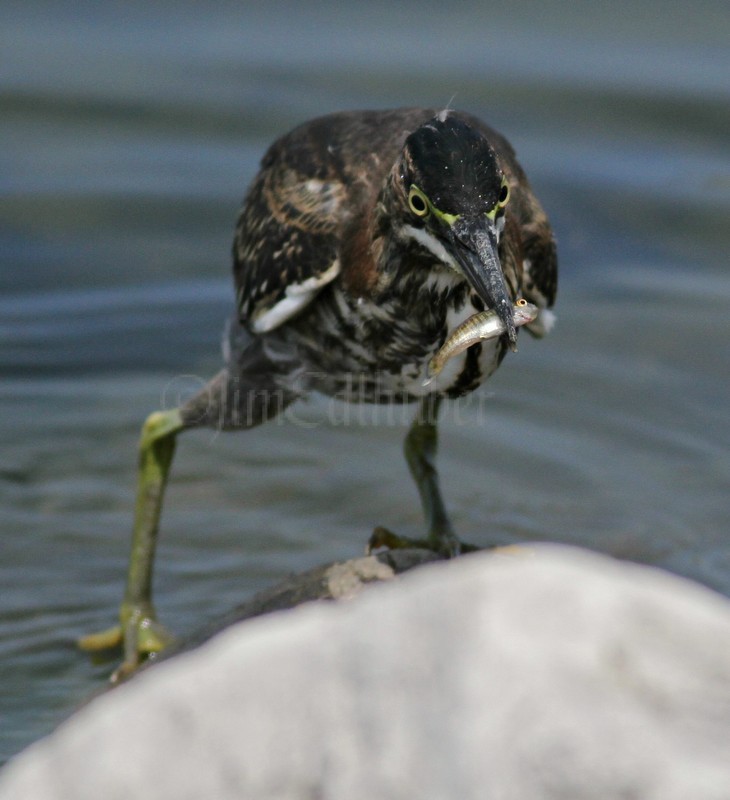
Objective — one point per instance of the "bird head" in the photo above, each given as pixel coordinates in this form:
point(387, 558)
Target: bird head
point(454, 195)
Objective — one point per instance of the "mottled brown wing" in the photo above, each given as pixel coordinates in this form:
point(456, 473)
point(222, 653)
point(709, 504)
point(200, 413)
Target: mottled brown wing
point(286, 244)
point(312, 182)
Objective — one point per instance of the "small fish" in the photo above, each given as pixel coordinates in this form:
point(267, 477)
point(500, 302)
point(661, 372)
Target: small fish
point(478, 328)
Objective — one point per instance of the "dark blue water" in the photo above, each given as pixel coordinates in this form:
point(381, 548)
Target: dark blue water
point(128, 135)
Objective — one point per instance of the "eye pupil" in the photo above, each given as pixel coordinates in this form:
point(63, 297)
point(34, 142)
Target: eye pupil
point(418, 204)
point(504, 193)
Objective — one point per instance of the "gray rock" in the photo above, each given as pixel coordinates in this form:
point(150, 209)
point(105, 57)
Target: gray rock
point(340, 580)
point(559, 675)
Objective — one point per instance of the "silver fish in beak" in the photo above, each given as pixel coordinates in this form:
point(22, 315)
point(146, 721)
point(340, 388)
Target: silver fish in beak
point(474, 242)
point(478, 328)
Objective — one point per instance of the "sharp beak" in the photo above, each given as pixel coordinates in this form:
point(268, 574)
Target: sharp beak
point(474, 246)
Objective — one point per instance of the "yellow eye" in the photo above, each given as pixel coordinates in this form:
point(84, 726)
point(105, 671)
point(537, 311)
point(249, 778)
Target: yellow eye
point(418, 201)
point(503, 194)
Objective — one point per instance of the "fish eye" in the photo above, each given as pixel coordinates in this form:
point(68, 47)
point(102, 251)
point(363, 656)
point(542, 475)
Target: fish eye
point(503, 194)
point(418, 201)
point(521, 302)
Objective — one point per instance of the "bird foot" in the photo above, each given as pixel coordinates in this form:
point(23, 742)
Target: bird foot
point(139, 636)
point(445, 543)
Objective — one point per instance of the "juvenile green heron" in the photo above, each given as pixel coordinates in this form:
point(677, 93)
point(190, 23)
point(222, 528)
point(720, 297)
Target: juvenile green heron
point(365, 239)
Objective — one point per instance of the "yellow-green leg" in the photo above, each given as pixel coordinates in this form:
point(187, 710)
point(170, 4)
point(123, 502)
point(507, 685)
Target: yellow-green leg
point(139, 633)
point(420, 451)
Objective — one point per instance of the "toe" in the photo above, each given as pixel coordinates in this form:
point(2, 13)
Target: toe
point(103, 640)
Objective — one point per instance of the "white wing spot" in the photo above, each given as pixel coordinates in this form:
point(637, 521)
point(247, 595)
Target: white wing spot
point(296, 297)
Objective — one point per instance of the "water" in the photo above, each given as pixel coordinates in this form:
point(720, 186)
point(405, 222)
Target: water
point(129, 133)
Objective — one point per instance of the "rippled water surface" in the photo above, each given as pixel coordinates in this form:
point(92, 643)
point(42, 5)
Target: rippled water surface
point(129, 133)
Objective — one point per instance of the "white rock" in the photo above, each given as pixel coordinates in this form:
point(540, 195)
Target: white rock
point(561, 675)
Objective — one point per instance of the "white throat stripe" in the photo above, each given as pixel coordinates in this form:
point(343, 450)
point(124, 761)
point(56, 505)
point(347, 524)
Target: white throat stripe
point(431, 243)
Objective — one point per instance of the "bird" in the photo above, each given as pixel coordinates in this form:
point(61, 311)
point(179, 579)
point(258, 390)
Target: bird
point(364, 239)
